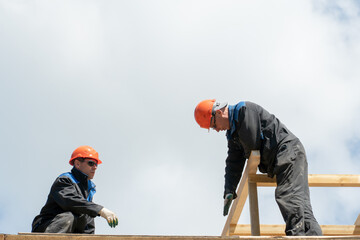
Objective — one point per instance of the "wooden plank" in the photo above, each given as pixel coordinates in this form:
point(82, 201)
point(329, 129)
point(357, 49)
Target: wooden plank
point(334, 230)
point(54, 236)
point(279, 230)
point(265, 230)
point(315, 180)
point(254, 161)
point(262, 180)
point(149, 237)
point(237, 205)
point(357, 222)
point(242, 193)
point(254, 210)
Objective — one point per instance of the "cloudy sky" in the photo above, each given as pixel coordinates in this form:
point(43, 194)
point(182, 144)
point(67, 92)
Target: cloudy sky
point(125, 76)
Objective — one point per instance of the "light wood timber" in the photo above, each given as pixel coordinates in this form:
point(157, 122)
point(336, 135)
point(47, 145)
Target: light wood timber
point(54, 236)
point(254, 161)
point(315, 180)
point(239, 202)
point(42, 236)
point(254, 210)
point(279, 230)
point(357, 222)
point(265, 230)
point(242, 193)
point(237, 205)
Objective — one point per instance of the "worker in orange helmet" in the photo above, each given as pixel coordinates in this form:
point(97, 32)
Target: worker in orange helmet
point(69, 207)
point(250, 127)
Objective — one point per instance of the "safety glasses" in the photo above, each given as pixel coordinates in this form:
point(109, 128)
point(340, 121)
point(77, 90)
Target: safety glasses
point(92, 163)
point(213, 113)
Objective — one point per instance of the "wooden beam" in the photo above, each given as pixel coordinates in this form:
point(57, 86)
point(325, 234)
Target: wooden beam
point(262, 180)
point(59, 236)
point(357, 222)
point(242, 193)
point(336, 230)
point(237, 205)
point(265, 230)
point(279, 230)
point(54, 236)
point(315, 180)
point(253, 162)
point(254, 210)
point(67, 236)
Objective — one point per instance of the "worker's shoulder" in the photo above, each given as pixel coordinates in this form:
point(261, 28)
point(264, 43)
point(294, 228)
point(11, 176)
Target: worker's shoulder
point(256, 107)
point(66, 178)
point(252, 107)
point(251, 104)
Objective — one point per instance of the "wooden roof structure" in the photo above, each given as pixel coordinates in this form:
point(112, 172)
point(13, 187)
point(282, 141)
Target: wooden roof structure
point(248, 187)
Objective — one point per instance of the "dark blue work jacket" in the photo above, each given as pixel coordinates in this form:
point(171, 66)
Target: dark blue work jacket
point(72, 192)
point(252, 128)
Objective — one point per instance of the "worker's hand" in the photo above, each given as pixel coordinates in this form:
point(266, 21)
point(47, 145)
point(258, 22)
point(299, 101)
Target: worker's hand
point(227, 202)
point(110, 217)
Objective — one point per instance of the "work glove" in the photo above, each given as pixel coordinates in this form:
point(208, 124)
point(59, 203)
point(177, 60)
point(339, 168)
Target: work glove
point(227, 202)
point(110, 217)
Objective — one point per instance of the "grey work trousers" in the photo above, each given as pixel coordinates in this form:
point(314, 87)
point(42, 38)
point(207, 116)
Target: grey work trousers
point(65, 222)
point(292, 192)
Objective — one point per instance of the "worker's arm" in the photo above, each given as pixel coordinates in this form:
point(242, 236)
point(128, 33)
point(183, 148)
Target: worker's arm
point(234, 166)
point(69, 198)
point(249, 127)
point(235, 162)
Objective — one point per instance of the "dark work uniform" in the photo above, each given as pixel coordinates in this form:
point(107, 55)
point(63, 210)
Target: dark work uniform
point(69, 207)
point(282, 155)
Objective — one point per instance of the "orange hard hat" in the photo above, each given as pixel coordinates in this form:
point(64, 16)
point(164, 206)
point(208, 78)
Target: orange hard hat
point(203, 113)
point(84, 152)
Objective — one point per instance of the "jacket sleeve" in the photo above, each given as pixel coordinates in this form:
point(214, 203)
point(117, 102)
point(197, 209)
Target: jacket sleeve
point(249, 128)
point(235, 162)
point(68, 197)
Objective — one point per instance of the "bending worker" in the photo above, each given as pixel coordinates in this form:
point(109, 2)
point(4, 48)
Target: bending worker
point(250, 127)
point(69, 207)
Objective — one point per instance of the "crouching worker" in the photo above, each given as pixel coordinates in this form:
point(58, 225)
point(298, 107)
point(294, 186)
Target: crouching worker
point(69, 207)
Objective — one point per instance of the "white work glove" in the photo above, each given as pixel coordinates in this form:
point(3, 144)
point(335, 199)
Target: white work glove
point(110, 217)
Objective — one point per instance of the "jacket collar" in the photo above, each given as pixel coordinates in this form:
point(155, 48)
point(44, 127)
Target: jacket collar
point(233, 117)
point(80, 176)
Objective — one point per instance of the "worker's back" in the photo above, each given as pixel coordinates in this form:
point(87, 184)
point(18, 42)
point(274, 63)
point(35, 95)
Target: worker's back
point(257, 129)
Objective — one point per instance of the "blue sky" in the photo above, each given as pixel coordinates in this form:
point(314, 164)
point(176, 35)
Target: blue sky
point(125, 76)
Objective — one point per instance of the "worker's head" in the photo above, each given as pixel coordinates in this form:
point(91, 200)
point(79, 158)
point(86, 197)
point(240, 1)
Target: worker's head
point(211, 114)
point(85, 159)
